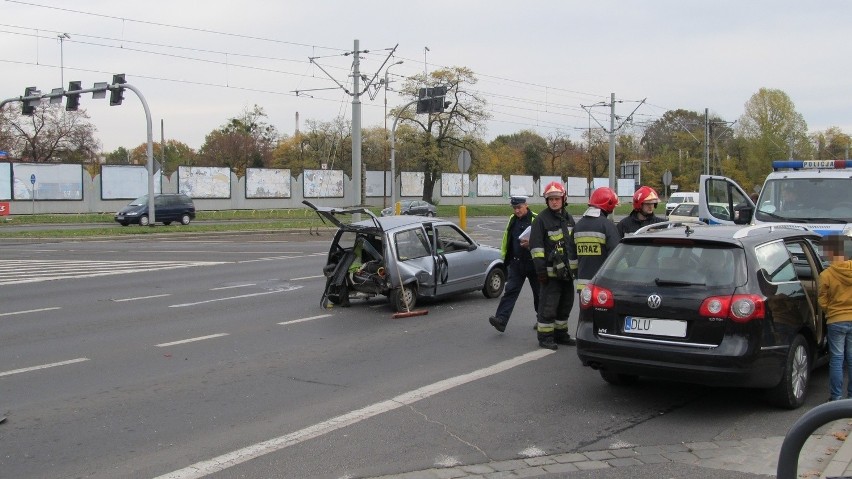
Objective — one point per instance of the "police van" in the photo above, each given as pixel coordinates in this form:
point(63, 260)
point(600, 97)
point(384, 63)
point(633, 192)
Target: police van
point(817, 194)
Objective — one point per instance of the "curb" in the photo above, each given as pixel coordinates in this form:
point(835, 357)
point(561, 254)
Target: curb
point(841, 463)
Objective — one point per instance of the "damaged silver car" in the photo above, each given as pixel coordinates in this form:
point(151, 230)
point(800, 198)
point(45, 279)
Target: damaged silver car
point(404, 258)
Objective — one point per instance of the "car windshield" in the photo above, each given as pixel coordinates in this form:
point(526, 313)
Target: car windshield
point(674, 264)
point(806, 200)
point(142, 200)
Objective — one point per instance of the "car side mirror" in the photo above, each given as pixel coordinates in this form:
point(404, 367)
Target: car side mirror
point(472, 247)
point(742, 214)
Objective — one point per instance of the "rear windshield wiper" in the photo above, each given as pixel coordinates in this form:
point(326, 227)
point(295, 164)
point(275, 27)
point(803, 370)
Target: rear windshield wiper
point(669, 282)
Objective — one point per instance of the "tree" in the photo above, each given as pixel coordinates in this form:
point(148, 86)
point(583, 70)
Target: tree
point(51, 134)
point(557, 154)
point(831, 144)
point(773, 130)
point(242, 142)
point(532, 149)
point(323, 143)
point(177, 154)
point(442, 134)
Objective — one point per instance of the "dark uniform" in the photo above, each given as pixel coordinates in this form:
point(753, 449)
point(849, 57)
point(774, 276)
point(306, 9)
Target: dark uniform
point(594, 238)
point(520, 265)
point(631, 223)
point(549, 238)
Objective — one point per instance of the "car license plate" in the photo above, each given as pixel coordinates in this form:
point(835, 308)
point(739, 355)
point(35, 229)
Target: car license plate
point(656, 327)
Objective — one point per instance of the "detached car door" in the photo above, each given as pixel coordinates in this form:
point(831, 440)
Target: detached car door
point(727, 195)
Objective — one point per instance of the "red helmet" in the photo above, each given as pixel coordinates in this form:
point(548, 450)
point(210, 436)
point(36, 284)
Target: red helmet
point(604, 198)
point(645, 194)
point(555, 189)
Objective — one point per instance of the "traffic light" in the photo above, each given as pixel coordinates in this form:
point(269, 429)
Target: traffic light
point(28, 106)
point(73, 98)
point(116, 94)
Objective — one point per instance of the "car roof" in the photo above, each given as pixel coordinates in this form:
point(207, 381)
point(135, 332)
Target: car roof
point(390, 223)
point(737, 235)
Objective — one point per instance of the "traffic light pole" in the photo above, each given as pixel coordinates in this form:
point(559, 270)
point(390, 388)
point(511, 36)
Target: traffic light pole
point(393, 152)
point(35, 98)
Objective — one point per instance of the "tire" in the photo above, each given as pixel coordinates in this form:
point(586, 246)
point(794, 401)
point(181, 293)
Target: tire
point(143, 220)
point(495, 281)
point(124, 223)
point(790, 393)
point(617, 379)
point(167, 223)
point(402, 297)
point(185, 219)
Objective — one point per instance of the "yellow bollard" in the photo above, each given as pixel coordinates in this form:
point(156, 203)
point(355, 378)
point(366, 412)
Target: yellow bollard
point(463, 217)
point(397, 207)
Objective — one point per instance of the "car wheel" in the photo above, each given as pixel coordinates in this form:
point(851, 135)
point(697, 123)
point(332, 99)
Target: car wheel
point(143, 220)
point(494, 283)
point(791, 391)
point(167, 223)
point(430, 214)
point(404, 298)
point(185, 219)
point(618, 379)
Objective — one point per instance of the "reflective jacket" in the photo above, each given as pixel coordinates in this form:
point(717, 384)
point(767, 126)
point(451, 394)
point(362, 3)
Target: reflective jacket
point(505, 249)
point(594, 238)
point(549, 238)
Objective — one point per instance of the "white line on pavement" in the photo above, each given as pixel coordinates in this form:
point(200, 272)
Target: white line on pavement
point(305, 319)
point(141, 297)
point(234, 297)
point(191, 340)
point(308, 277)
point(43, 366)
point(220, 463)
point(30, 311)
point(234, 286)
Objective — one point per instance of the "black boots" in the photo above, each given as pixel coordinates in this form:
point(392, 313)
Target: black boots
point(565, 339)
point(498, 324)
point(547, 342)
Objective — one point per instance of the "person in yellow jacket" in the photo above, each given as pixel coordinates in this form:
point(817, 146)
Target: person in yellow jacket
point(835, 299)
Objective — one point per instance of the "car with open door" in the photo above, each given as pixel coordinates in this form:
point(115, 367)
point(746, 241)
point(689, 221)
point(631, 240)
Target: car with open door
point(404, 258)
point(732, 306)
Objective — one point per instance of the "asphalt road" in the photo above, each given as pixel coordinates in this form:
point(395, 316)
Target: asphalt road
point(211, 357)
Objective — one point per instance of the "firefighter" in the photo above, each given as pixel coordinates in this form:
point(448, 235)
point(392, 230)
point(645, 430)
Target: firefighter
point(645, 201)
point(595, 235)
point(516, 256)
point(549, 238)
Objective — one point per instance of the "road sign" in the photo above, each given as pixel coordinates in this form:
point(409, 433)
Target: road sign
point(464, 161)
point(32, 178)
point(667, 178)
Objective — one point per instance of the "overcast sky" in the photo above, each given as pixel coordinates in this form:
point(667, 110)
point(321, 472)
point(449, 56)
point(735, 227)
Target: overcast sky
point(200, 63)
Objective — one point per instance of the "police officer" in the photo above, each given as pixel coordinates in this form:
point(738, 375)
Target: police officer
point(549, 237)
point(516, 256)
point(645, 201)
point(595, 235)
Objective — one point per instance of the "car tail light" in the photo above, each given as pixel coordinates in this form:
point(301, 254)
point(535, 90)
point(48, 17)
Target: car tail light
point(593, 296)
point(740, 308)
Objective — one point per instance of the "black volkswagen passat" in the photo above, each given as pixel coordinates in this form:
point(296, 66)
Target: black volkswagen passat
point(715, 305)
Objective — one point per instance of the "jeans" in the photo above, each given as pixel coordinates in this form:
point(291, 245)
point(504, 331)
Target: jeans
point(519, 272)
point(840, 352)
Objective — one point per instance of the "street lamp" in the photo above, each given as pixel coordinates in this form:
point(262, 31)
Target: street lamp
point(62, 37)
point(384, 177)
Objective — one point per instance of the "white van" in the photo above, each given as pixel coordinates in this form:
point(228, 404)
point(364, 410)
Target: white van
point(814, 193)
point(680, 197)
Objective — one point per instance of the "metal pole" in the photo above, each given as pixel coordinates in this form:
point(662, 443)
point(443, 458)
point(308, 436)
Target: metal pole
point(384, 176)
point(356, 129)
point(62, 37)
point(706, 141)
point(149, 150)
point(393, 151)
point(612, 141)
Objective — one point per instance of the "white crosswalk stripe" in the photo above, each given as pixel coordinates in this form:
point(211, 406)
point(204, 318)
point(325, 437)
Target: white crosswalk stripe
point(34, 271)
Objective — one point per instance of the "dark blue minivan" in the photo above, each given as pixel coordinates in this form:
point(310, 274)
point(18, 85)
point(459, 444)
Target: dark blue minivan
point(167, 208)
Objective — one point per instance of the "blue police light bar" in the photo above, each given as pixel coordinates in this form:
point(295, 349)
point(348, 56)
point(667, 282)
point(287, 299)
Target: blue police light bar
point(811, 164)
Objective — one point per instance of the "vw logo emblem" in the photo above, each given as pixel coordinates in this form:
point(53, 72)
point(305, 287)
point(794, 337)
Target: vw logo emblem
point(654, 301)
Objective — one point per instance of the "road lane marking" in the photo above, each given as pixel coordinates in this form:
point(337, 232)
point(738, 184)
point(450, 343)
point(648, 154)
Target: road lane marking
point(220, 463)
point(308, 277)
point(140, 297)
point(43, 366)
point(30, 311)
point(234, 286)
point(273, 258)
point(234, 297)
point(191, 340)
point(304, 319)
